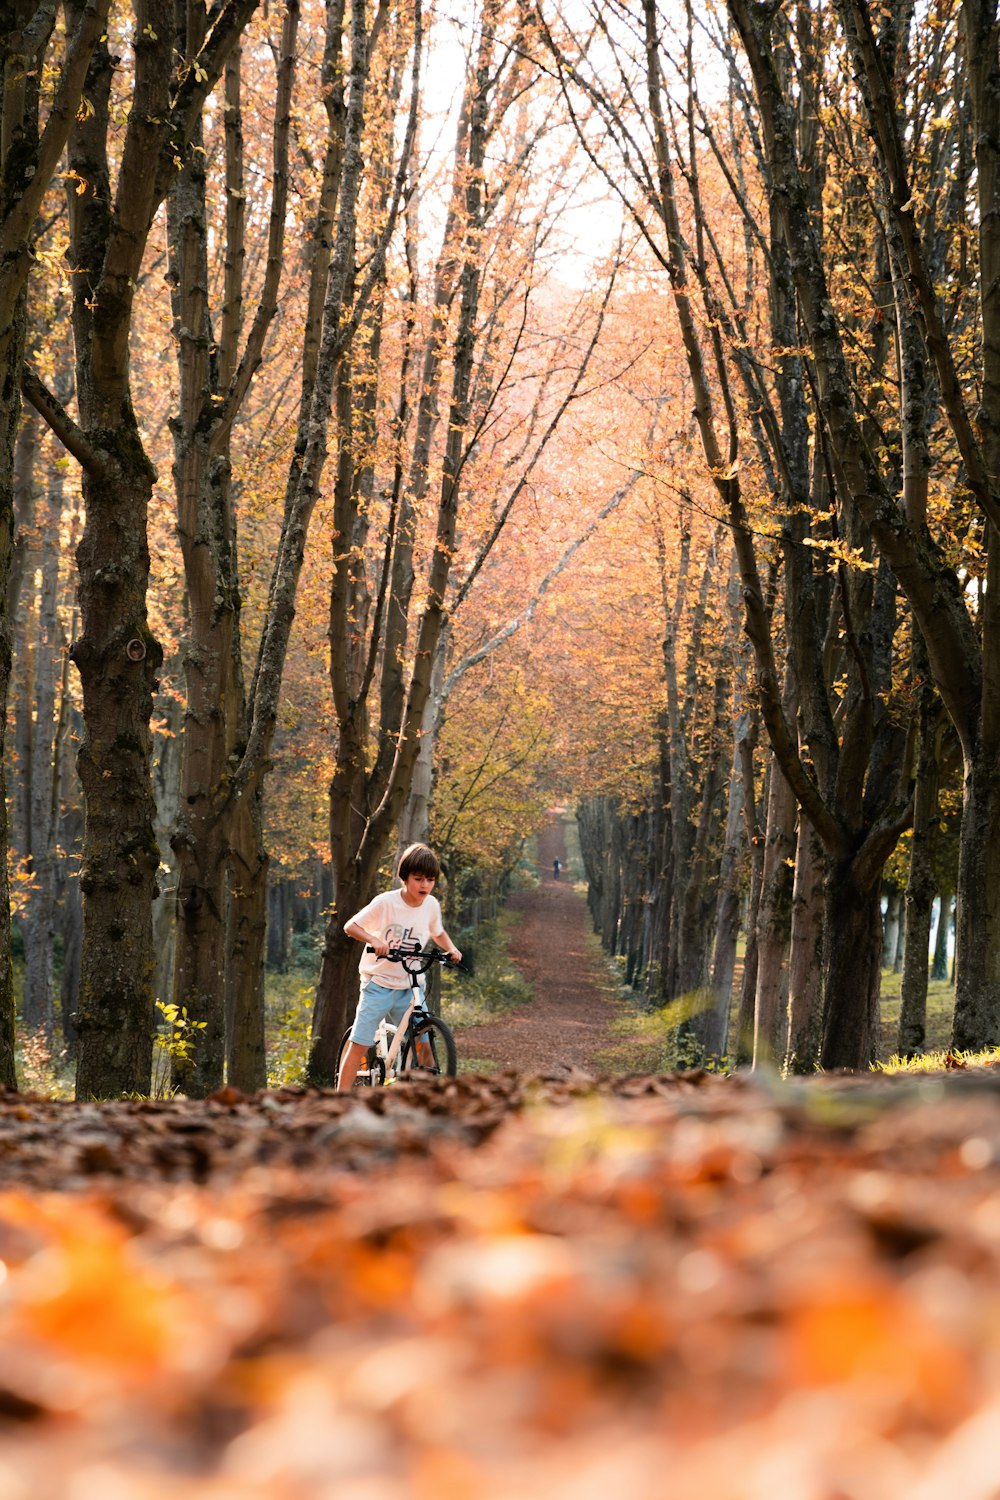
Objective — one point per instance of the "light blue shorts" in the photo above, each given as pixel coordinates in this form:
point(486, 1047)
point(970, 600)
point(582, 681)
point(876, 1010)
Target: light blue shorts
point(377, 1002)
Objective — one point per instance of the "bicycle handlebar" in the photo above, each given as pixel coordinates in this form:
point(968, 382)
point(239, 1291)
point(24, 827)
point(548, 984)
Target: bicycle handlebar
point(416, 960)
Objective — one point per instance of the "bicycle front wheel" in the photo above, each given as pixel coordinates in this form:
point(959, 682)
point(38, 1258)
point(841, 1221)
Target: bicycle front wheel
point(371, 1072)
point(429, 1049)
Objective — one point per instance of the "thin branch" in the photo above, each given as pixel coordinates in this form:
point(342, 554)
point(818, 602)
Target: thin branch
point(72, 437)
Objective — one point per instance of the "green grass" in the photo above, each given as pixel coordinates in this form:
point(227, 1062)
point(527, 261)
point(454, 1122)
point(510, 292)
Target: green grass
point(642, 1039)
point(937, 1052)
point(494, 988)
point(288, 1006)
point(940, 1004)
point(646, 1040)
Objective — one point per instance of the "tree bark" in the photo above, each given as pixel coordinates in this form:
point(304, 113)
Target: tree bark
point(39, 923)
point(29, 157)
point(805, 964)
point(852, 968)
point(891, 925)
point(727, 920)
point(213, 941)
point(116, 654)
point(364, 808)
point(977, 913)
point(166, 789)
point(774, 917)
point(117, 658)
point(920, 890)
point(246, 1054)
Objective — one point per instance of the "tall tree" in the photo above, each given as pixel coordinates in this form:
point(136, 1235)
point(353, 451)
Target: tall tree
point(30, 150)
point(844, 781)
point(961, 645)
point(215, 378)
point(341, 299)
point(116, 654)
point(368, 796)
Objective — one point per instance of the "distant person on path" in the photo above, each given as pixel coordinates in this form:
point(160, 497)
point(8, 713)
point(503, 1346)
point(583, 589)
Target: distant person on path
point(411, 914)
point(556, 867)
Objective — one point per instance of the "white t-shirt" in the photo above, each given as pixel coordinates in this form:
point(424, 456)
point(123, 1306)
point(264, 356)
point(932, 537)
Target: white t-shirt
point(391, 919)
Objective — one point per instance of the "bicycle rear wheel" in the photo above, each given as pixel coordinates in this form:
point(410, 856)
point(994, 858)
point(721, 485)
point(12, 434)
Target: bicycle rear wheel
point(371, 1072)
point(429, 1049)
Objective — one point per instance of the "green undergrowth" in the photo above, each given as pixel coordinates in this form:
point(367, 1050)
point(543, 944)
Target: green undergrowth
point(642, 1038)
point(494, 988)
point(652, 1040)
point(289, 1006)
point(45, 1067)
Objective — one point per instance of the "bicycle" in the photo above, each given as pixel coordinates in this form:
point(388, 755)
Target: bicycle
point(422, 1044)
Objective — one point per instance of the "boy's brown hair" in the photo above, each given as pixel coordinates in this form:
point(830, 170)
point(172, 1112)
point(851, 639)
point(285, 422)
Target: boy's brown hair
point(419, 860)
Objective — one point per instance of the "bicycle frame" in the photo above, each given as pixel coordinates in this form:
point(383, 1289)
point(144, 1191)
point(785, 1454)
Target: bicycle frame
point(391, 1039)
point(393, 1049)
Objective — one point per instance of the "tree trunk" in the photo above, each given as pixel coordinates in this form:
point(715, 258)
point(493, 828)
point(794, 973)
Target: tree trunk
point(28, 161)
point(9, 411)
point(743, 1041)
point(246, 1054)
point(977, 918)
point(913, 988)
point(69, 831)
point(116, 654)
point(212, 671)
point(852, 970)
point(805, 964)
point(199, 969)
point(166, 789)
point(40, 912)
point(920, 885)
point(21, 609)
point(727, 917)
point(117, 658)
point(611, 916)
point(662, 876)
point(277, 921)
point(338, 985)
point(701, 903)
point(217, 930)
point(11, 345)
point(415, 823)
point(774, 919)
point(70, 926)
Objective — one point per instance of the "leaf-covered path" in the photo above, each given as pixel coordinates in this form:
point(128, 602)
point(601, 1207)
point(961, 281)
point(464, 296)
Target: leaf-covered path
point(568, 1024)
point(685, 1287)
point(682, 1288)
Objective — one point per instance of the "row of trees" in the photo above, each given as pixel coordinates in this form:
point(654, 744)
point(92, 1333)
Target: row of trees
point(237, 253)
point(839, 351)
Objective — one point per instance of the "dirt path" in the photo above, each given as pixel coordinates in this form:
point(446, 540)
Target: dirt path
point(569, 1021)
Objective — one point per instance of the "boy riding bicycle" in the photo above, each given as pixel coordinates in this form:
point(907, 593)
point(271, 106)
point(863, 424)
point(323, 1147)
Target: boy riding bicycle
point(397, 916)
